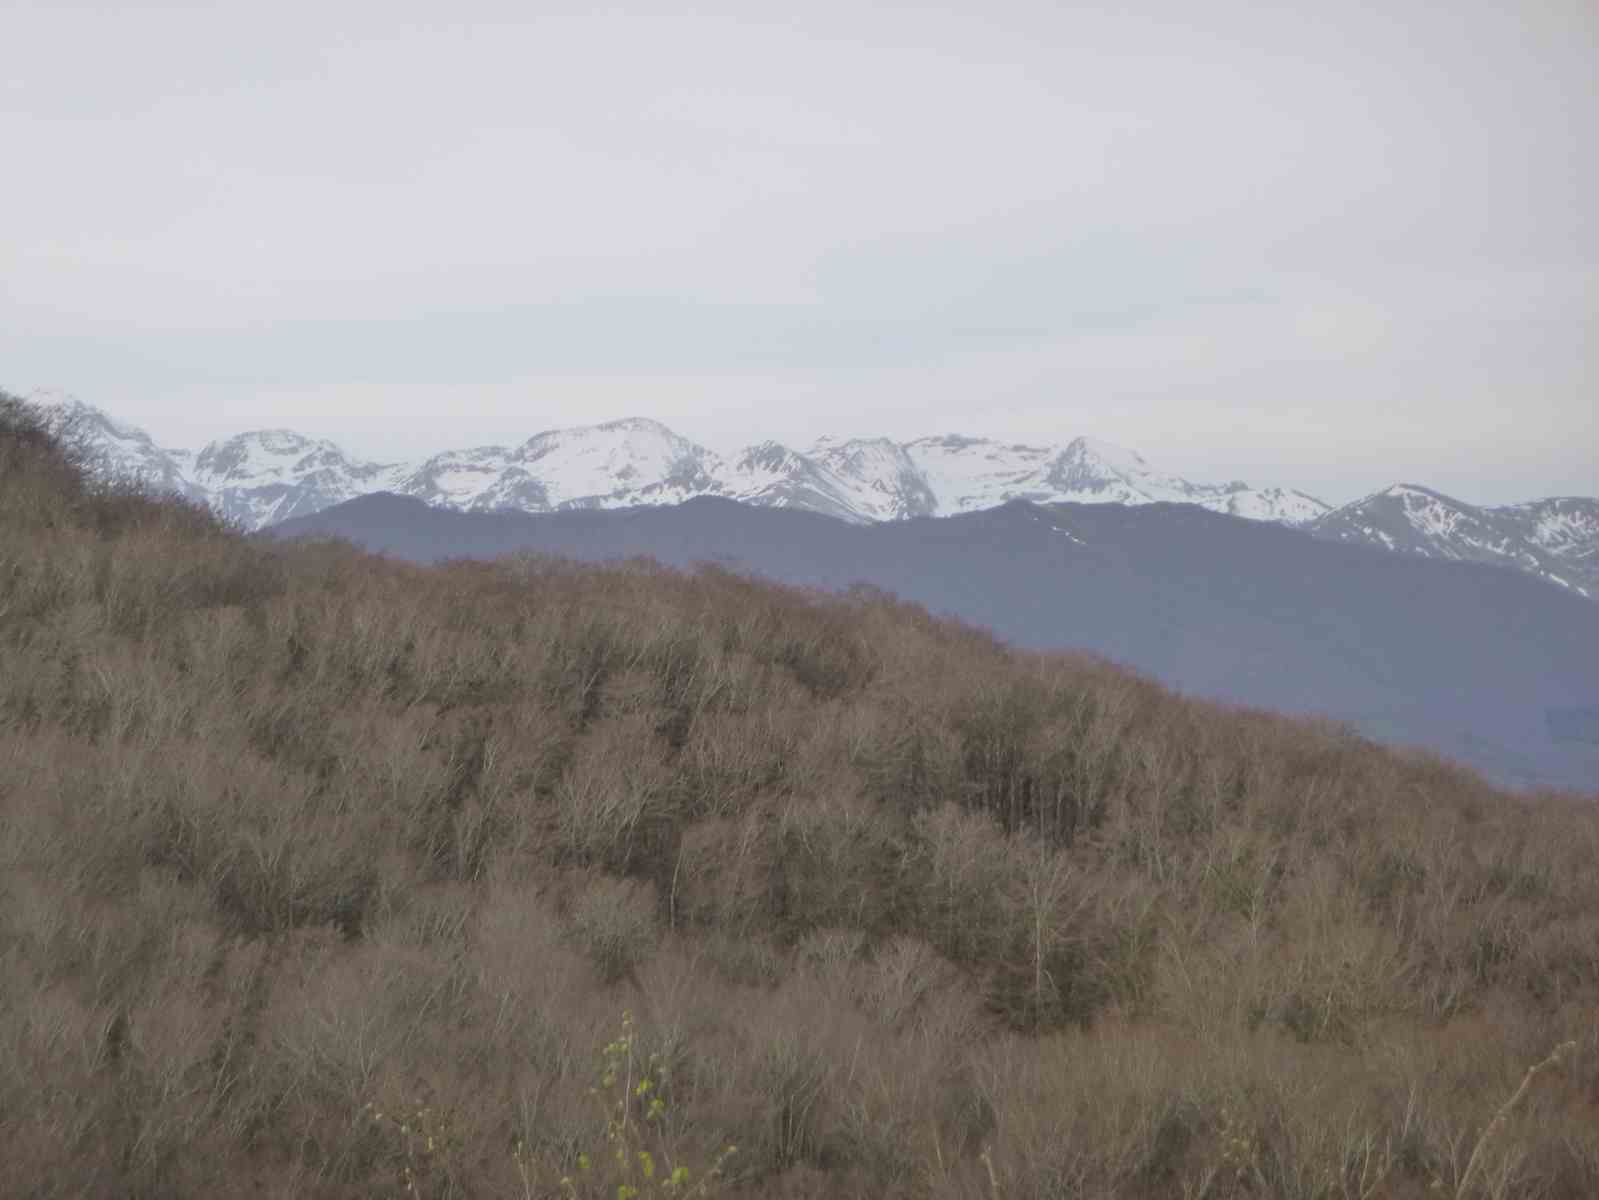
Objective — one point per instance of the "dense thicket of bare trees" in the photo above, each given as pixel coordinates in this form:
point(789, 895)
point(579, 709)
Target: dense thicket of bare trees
point(293, 836)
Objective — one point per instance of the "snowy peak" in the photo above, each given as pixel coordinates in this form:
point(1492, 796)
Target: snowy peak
point(881, 478)
point(772, 475)
point(771, 458)
point(62, 412)
point(269, 475)
point(115, 450)
point(614, 465)
point(479, 479)
point(1409, 517)
point(1557, 539)
point(619, 463)
point(266, 454)
point(1092, 471)
point(1097, 471)
point(1285, 505)
point(968, 474)
point(1103, 455)
point(643, 426)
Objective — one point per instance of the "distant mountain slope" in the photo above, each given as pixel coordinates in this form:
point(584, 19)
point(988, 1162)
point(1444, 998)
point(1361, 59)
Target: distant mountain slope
point(1469, 660)
point(1555, 539)
point(264, 476)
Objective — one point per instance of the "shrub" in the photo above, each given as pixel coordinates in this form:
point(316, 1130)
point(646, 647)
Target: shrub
point(634, 1164)
point(613, 922)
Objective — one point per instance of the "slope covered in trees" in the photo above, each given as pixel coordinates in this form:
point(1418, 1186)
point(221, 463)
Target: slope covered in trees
point(1469, 660)
point(327, 875)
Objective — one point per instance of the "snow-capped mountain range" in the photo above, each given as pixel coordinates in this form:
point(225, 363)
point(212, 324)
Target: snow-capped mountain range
point(1555, 539)
point(263, 477)
point(270, 475)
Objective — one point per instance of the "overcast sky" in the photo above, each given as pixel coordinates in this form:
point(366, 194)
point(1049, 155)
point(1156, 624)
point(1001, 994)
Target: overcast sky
point(1329, 245)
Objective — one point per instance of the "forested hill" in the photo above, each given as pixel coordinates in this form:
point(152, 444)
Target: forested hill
point(1477, 662)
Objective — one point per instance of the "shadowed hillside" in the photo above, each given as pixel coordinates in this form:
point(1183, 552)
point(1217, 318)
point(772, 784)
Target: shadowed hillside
point(1465, 659)
point(329, 875)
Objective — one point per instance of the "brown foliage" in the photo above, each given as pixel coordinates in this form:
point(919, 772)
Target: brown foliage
point(287, 831)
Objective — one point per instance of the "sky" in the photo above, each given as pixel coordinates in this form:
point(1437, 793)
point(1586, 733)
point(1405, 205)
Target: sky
point(1327, 246)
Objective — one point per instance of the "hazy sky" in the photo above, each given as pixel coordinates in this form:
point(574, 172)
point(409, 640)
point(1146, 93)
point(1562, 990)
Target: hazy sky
point(1330, 245)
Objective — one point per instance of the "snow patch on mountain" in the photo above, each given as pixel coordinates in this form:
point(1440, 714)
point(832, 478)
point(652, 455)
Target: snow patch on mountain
point(482, 478)
point(1555, 539)
point(618, 464)
point(881, 479)
point(1285, 505)
point(772, 475)
point(1566, 526)
point(1094, 472)
point(269, 475)
point(967, 474)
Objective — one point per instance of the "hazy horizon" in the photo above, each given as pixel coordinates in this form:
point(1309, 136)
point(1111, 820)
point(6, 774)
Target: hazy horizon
point(1325, 250)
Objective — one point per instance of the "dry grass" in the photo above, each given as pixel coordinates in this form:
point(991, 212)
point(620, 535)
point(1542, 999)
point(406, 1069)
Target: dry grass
point(290, 836)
